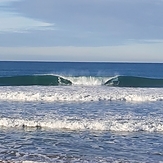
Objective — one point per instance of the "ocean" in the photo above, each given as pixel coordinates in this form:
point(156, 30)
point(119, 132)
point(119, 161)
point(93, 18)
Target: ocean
point(72, 112)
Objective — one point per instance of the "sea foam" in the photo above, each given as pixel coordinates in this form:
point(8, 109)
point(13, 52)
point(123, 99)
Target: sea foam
point(80, 93)
point(114, 124)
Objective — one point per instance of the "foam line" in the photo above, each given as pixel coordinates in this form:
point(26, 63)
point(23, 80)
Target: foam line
point(133, 124)
point(78, 93)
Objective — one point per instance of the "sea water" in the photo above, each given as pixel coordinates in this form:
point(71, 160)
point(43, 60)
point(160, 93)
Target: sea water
point(85, 121)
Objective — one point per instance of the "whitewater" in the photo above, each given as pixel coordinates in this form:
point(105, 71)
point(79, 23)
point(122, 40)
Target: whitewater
point(80, 93)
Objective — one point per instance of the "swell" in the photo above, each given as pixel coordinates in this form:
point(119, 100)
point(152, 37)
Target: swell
point(29, 80)
point(134, 81)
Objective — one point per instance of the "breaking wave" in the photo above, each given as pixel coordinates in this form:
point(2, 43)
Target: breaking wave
point(134, 81)
point(57, 80)
point(87, 80)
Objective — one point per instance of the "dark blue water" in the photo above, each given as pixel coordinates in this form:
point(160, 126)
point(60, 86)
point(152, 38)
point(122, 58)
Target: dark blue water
point(81, 69)
point(83, 122)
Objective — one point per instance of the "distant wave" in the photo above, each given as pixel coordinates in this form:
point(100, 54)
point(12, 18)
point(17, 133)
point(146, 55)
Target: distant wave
point(28, 80)
point(134, 81)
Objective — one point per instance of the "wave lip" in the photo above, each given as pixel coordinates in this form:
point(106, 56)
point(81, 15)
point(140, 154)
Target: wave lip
point(29, 80)
point(134, 81)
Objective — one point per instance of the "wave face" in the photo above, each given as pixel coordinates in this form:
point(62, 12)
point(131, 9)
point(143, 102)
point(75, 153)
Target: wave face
point(44, 80)
point(133, 81)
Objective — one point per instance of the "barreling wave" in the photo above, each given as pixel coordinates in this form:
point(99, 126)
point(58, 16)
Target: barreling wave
point(29, 80)
point(56, 80)
point(50, 79)
point(134, 81)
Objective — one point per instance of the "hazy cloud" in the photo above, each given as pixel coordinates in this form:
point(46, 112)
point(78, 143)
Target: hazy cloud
point(126, 19)
point(11, 21)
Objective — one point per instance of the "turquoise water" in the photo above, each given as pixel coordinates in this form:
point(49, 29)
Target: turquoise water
point(85, 121)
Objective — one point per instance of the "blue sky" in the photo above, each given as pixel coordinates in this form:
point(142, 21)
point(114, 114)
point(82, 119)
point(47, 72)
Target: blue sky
point(82, 30)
